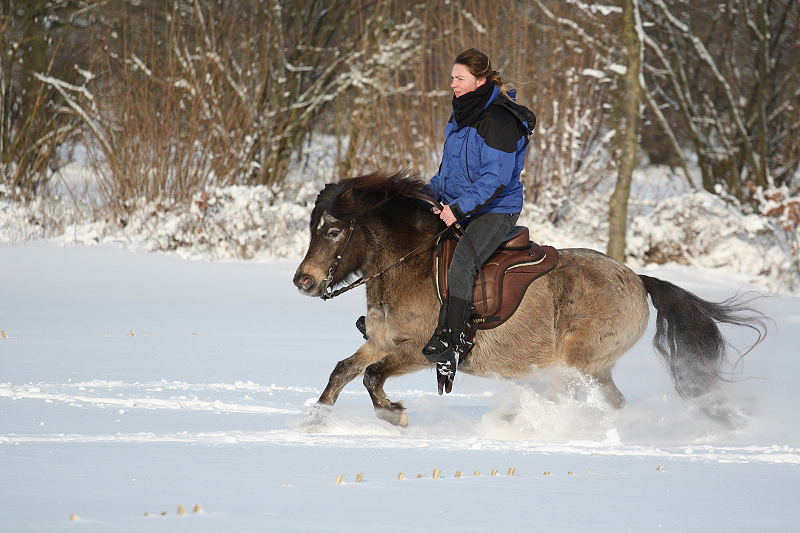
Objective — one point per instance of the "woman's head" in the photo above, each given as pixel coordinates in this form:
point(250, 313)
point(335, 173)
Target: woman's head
point(472, 69)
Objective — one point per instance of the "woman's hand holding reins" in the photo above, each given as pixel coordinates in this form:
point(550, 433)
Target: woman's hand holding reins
point(446, 214)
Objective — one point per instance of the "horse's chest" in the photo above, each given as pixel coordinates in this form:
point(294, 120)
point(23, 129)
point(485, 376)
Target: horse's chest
point(384, 328)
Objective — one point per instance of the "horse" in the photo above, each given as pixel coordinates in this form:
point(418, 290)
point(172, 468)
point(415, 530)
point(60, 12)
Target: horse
point(585, 313)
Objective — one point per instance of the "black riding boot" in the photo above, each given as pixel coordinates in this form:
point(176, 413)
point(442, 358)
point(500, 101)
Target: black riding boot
point(451, 341)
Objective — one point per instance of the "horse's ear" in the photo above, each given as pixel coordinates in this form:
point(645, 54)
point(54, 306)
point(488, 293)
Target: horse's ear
point(346, 204)
point(347, 200)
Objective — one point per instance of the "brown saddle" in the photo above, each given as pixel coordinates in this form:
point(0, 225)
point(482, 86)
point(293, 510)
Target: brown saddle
point(507, 273)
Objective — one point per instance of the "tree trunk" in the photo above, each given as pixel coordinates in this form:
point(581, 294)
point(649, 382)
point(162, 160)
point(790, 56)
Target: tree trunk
point(618, 208)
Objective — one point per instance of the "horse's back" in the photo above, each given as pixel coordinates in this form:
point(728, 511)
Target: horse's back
point(595, 272)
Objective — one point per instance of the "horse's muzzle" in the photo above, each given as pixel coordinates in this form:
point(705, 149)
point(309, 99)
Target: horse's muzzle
point(304, 282)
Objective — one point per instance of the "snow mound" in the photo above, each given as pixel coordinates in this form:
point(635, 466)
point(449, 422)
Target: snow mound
point(235, 222)
point(703, 230)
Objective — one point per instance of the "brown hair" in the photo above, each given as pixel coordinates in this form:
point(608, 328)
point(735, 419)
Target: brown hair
point(480, 66)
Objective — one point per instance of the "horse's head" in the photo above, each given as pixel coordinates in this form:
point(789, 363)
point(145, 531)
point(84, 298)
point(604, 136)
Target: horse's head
point(336, 249)
point(355, 218)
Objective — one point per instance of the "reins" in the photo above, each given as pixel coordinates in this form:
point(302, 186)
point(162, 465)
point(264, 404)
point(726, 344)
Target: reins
point(328, 293)
point(362, 280)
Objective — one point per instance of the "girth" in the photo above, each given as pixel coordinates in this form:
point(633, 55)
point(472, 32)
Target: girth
point(507, 273)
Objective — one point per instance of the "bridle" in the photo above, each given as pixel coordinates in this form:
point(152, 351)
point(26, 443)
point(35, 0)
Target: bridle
point(328, 293)
point(326, 283)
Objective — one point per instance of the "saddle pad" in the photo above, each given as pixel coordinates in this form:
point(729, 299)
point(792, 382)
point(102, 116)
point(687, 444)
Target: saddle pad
point(507, 274)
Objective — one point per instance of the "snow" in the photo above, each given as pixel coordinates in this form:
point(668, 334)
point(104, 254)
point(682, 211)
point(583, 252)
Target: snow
point(617, 68)
point(135, 382)
point(594, 73)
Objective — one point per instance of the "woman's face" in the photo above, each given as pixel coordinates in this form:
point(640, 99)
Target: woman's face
point(463, 81)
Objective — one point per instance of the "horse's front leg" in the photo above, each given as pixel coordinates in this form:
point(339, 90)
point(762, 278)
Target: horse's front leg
point(376, 375)
point(344, 372)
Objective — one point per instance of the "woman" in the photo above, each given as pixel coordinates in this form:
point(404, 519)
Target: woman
point(478, 184)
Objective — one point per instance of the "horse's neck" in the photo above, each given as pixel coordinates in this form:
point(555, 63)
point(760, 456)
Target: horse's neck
point(399, 281)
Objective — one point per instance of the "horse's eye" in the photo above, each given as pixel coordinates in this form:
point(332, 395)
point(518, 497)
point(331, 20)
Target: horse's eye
point(334, 232)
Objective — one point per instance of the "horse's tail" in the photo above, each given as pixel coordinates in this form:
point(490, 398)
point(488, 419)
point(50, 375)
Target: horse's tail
point(687, 336)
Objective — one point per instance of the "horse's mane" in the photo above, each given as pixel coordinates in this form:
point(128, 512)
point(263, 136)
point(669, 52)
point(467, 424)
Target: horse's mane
point(394, 198)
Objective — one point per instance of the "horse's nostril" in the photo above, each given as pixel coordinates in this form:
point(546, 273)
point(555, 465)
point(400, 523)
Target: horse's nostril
point(304, 282)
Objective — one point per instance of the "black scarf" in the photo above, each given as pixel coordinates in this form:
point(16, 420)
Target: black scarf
point(468, 107)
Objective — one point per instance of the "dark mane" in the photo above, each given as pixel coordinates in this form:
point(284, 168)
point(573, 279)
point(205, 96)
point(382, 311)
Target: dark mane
point(394, 198)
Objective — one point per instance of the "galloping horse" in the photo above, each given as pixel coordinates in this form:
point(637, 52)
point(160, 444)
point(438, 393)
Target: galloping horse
point(585, 313)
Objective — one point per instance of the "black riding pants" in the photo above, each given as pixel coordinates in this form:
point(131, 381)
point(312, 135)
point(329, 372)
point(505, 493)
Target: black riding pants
point(486, 232)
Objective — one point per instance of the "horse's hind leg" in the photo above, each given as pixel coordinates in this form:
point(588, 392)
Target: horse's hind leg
point(566, 383)
point(375, 376)
point(610, 391)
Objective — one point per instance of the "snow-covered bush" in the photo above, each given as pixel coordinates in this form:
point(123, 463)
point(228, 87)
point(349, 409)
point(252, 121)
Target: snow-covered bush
point(703, 229)
point(37, 218)
point(235, 222)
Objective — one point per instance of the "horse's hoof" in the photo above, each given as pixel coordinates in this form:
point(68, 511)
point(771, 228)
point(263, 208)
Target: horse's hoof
point(318, 419)
point(716, 407)
point(510, 418)
point(396, 417)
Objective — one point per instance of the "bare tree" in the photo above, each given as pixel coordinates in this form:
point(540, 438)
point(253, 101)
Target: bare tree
point(37, 37)
point(723, 81)
point(618, 207)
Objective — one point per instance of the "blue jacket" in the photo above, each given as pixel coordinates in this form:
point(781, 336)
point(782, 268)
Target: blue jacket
point(482, 161)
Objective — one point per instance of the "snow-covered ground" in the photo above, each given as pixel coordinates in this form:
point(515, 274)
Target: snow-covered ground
point(132, 383)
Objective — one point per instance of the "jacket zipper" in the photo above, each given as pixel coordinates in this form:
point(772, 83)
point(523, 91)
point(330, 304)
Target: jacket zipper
point(466, 155)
